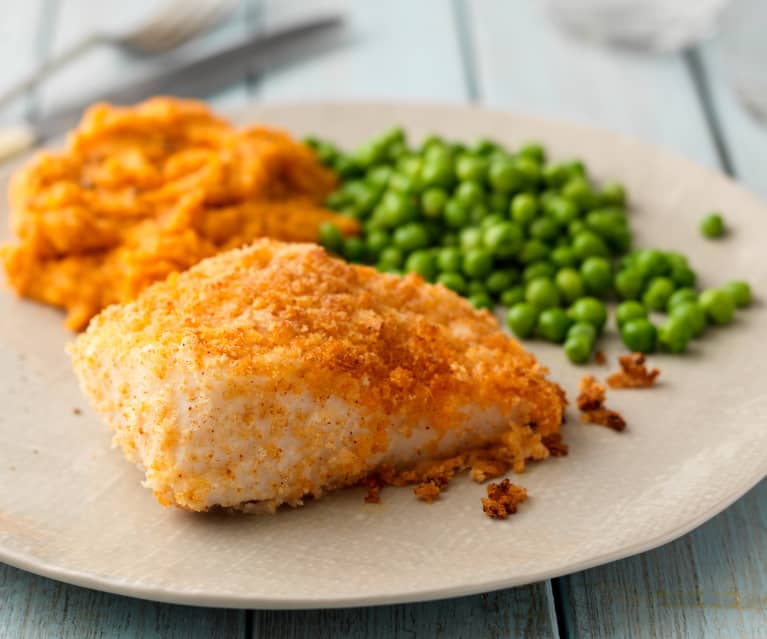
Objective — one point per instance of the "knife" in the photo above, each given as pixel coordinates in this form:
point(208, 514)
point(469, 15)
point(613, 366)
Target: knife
point(198, 78)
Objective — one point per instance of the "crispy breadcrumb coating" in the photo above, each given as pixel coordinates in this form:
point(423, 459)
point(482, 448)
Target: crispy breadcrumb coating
point(591, 402)
point(275, 372)
point(633, 373)
point(503, 499)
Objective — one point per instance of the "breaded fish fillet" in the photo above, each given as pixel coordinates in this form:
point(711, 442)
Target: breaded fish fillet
point(275, 372)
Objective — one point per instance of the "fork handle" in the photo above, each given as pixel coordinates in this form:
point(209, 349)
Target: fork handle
point(48, 68)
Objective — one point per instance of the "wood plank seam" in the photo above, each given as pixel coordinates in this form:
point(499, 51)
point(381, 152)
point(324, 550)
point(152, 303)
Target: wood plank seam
point(702, 88)
point(46, 27)
point(466, 49)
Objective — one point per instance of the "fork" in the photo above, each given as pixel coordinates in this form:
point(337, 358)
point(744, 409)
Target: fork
point(176, 23)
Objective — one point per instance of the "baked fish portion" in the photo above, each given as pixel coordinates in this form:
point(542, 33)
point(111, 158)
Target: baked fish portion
point(268, 374)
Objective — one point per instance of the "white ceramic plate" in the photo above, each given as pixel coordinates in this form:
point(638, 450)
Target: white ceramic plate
point(72, 509)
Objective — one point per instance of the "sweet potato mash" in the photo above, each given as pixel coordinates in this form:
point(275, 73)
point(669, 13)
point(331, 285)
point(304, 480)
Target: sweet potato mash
point(143, 191)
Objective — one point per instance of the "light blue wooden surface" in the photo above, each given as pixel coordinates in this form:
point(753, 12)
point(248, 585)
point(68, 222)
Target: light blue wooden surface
point(505, 54)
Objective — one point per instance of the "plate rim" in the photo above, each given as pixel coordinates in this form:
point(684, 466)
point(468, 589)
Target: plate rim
point(202, 598)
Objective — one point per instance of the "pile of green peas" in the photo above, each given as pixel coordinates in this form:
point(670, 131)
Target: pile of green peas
point(507, 227)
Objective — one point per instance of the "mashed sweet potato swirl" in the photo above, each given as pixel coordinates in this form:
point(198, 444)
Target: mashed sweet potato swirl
point(141, 192)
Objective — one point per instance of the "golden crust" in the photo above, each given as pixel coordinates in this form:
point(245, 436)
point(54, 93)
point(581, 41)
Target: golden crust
point(379, 338)
point(144, 191)
point(402, 353)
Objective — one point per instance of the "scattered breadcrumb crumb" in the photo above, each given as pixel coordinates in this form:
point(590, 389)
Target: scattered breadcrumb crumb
point(77, 411)
point(374, 486)
point(555, 445)
point(503, 499)
point(428, 491)
point(633, 373)
point(591, 403)
point(599, 357)
point(484, 469)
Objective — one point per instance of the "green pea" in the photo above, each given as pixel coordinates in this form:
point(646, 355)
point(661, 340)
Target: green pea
point(469, 193)
point(639, 335)
point(712, 226)
point(512, 296)
point(484, 146)
point(422, 262)
point(533, 251)
point(544, 229)
point(553, 324)
point(630, 310)
point(613, 193)
point(680, 296)
point(556, 174)
point(533, 151)
point(522, 319)
point(471, 238)
point(476, 287)
point(326, 152)
point(450, 260)
point(390, 258)
point(492, 220)
point(433, 202)
point(481, 300)
point(582, 329)
point(403, 183)
point(576, 168)
point(437, 172)
point(537, 269)
point(498, 202)
point(376, 241)
point(560, 209)
point(718, 305)
point(651, 263)
point(658, 293)
point(683, 275)
point(563, 256)
point(588, 244)
point(499, 281)
point(692, 314)
point(597, 275)
point(504, 239)
point(628, 283)
point(576, 227)
point(504, 176)
point(578, 349)
point(429, 141)
point(456, 215)
point(524, 208)
point(542, 293)
point(528, 169)
point(336, 200)
point(578, 191)
point(607, 223)
point(397, 208)
point(740, 291)
point(477, 263)
point(354, 249)
point(570, 284)
point(410, 237)
point(449, 239)
point(478, 213)
point(674, 334)
point(471, 167)
point(378, 177)
point(330, 237)
point(454, 281)
point(589, 309)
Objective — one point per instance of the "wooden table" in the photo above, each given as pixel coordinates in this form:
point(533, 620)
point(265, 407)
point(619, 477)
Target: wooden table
point(503, 54)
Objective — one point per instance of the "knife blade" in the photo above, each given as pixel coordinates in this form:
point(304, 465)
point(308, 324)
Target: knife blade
point(195, 78)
